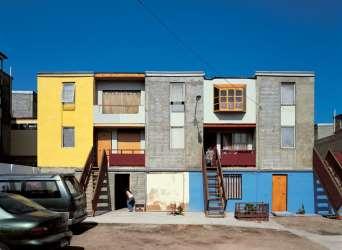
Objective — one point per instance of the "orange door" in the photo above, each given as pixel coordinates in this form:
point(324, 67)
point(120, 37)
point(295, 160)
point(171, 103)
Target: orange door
point(104, 142)
point(279, 193)
point(129, 141)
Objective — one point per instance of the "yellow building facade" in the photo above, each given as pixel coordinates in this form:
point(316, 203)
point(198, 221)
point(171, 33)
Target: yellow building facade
point(54, 115)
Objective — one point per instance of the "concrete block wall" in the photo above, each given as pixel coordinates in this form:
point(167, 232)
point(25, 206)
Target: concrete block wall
point(159, 156)
point(24, 104)
point(270, 155)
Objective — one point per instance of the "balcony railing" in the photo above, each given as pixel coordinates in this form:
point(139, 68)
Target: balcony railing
point(127, 157)
point(238, 158)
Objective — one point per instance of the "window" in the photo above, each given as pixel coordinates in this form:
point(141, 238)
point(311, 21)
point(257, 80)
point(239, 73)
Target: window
point(287, 93)
point(287, 137)
point(68, 137)
point(120, 101)
point(230, 98)
point(10, 186)
point(233, 186)
point(68, 93)
point(73, 185)
point(177, 137)
point(41, 189)
point(237, 141)
point(177, 96)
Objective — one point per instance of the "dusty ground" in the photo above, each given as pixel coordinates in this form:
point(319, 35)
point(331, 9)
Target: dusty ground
point(184, 237)
point(314, 224)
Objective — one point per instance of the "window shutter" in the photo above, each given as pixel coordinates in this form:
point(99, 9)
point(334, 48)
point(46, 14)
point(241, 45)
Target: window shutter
point(177, 92)
point(233, 186)
point(287, 137)
point(68, 137)
point(68, 94)
point(287, 94)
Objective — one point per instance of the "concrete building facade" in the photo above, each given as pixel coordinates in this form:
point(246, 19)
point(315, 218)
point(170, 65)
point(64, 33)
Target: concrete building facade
point(156, 127)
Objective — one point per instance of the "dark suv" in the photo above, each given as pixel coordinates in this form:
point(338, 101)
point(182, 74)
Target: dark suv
point(56, 192)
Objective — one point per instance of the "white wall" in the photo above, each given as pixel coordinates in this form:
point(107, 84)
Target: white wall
point(220, 117)
point(163, 189)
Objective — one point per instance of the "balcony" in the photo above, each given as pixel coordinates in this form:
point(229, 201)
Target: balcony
point(119, 114)
point(238, 158)
point(127, 157)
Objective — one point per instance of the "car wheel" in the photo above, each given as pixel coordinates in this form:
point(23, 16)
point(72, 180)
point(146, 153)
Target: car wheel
point(3, 246)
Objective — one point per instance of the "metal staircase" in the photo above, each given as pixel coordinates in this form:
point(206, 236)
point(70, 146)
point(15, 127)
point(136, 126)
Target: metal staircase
point(329, 173)
point(215, 200)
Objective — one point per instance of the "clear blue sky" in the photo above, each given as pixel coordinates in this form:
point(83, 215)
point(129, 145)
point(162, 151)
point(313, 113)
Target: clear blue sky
point(235, 37)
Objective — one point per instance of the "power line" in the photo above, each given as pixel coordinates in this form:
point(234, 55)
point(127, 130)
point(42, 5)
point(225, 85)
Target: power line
point(196, 55)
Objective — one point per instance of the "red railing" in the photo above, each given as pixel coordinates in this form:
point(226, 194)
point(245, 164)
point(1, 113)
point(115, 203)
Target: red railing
point(333, 160)
point(220, 176)
point(127, 157)
point(238, 158)
point(324, 173)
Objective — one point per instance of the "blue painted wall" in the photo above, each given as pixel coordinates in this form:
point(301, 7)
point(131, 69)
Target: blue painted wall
point(257, 186)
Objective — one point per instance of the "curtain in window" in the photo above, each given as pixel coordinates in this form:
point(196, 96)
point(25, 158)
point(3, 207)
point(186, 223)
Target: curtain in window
point(237, 141)
point(68, 93)
point(120, 102)
point(287, 137)
point(177, 92)
point(287, 94)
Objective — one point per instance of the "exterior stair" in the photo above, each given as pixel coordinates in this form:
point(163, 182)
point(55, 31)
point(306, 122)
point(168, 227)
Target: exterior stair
point(98, 194)
point(328, 171)
point(214, 196)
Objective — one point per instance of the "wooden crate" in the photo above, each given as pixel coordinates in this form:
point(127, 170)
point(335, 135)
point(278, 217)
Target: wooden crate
point(252, 211)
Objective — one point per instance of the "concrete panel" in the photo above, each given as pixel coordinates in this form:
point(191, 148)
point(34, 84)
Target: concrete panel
point(288, 115)
point(208, 94)
point(163, 189)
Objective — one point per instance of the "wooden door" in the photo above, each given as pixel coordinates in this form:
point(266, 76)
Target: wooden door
point(129, 141)
point(279, 193)
point(104, 142)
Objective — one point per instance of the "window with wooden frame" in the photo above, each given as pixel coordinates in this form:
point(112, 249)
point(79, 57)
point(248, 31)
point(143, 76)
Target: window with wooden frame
point(230, 98)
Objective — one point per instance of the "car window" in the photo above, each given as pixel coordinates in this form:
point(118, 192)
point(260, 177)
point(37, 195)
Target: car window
point(73, 185)
point(17, 204)
point(10, 186)
point(41, 189)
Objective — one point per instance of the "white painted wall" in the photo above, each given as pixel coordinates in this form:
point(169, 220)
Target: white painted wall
point(208, 99)
point(164, 189)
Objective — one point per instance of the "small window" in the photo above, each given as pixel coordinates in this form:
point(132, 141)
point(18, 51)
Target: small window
point(177, 137)
point(41, 189)
point(177, 92)
point(287, 137)
point(230, 98)
point(68, 137)
point(233, 186)
point(68, 93)
point(287, 93)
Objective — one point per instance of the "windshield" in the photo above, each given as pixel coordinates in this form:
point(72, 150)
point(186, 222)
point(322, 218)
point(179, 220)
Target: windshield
point(73, 186)
point(17, 204)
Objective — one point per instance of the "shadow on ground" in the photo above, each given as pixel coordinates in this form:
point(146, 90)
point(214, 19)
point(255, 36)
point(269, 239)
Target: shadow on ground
point(82, 228)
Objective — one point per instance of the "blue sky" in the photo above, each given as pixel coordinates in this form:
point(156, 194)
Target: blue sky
point(235, 37)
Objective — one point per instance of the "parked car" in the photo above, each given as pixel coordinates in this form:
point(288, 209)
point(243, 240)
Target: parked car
point(24, 223)
point(56, 192)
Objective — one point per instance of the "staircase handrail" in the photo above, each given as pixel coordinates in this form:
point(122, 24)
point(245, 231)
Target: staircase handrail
point(220, 174)
point(100, 178)
point(86, 173)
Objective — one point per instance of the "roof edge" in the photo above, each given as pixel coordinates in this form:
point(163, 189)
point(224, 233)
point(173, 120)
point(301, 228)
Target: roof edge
point(284, 73)
point(174, 73)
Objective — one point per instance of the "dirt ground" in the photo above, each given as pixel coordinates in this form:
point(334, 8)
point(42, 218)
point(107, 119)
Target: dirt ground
point(314, 224)
point(183, 237)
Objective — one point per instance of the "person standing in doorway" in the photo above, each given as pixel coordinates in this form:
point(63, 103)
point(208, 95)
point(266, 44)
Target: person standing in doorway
point(130, 200)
